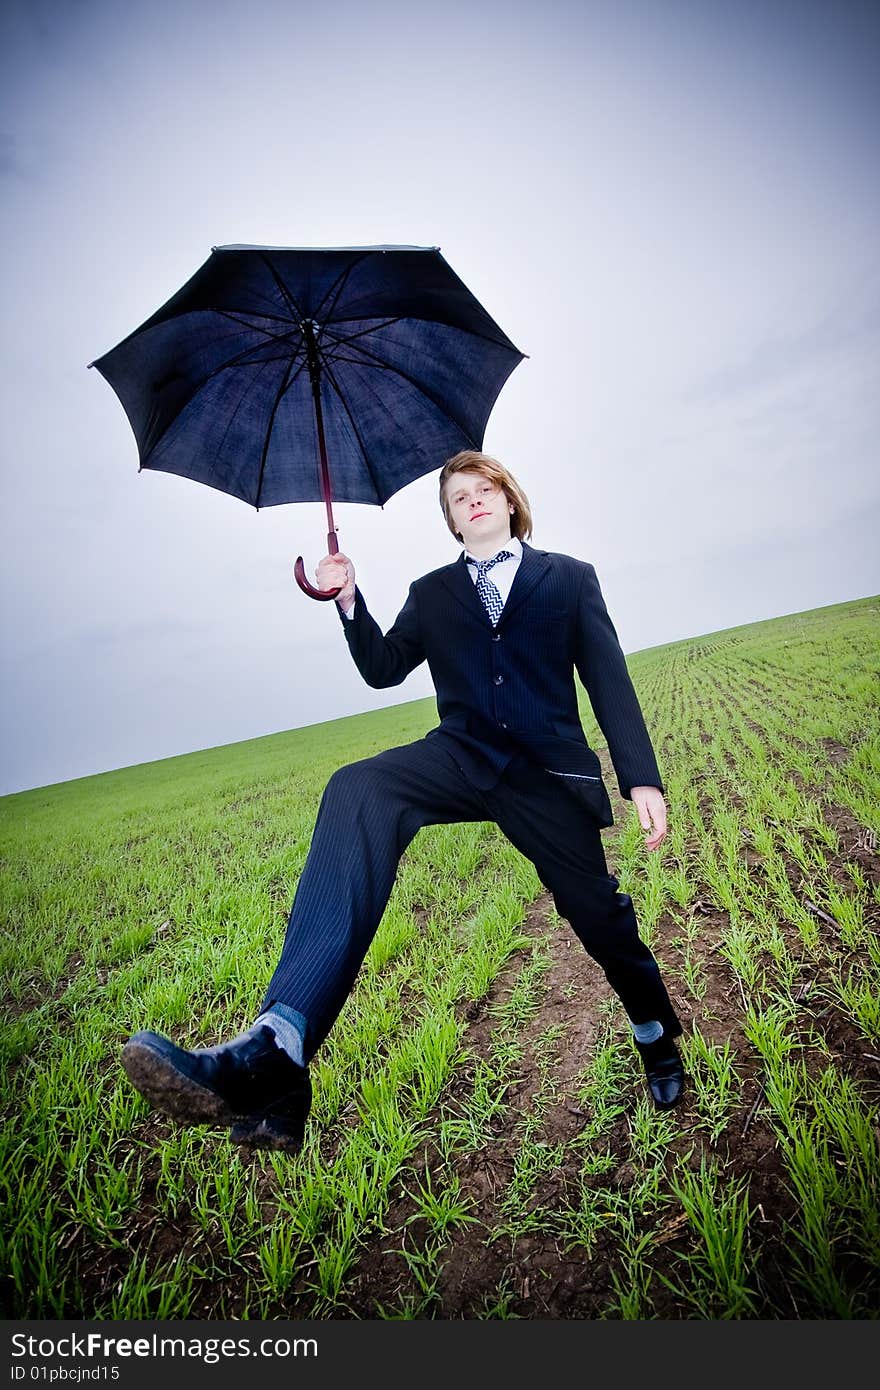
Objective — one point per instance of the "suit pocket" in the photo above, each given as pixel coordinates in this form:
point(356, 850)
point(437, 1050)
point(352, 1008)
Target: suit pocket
point(588, 790)
point(574, 776)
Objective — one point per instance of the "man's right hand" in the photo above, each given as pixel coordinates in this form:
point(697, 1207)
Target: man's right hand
point(337, 572)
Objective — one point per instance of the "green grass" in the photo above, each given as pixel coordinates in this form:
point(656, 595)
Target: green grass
point(157, 897)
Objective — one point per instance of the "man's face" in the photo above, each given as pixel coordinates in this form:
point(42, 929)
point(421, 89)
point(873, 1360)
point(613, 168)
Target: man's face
point(480, 510)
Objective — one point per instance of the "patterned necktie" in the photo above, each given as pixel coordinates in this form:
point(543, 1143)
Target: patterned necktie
point(492, 601)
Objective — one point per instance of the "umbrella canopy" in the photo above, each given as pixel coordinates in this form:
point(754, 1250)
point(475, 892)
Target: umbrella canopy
point(225, 384)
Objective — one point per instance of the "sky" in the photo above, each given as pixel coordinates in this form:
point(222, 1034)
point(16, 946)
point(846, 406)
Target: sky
point(671, 208)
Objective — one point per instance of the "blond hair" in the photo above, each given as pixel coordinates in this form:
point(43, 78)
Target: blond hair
point(470, 460)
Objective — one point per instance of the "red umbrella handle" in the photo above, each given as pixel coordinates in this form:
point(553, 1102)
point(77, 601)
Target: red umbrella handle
point(299, 572)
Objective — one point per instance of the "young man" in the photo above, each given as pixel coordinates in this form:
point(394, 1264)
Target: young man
point(503, 630)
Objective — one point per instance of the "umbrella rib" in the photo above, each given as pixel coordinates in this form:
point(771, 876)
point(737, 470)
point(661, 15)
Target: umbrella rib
point(387, 411)
point(265, 451)
point(357, 433)
point(229, 423)
point(503, 342)
point(240, 318)
point(350, 337)
point(237, 358)
point(388, 366)
point(296, 373)
point(257, 362)
point(255, 328)
point(237, 362)
point(291, 302)
point(335, 290)
point(358, 362)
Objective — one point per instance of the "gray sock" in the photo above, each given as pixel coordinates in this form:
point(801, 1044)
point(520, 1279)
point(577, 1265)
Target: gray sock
point(288, 1036)
point(647, 1032)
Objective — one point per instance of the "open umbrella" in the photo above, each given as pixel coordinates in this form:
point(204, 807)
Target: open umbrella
point(271, 362)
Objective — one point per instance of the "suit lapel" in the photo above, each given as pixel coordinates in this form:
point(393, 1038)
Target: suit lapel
point(530, 571)
point(456, 578)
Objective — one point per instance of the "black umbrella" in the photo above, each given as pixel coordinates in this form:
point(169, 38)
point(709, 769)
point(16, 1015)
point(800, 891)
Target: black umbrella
point(271, 361)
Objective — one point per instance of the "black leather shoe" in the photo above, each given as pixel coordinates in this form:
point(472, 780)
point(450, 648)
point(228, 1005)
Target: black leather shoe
point(249, 1083)
point(664, 1071)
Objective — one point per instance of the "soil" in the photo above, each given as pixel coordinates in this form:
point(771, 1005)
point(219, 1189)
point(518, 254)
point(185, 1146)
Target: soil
point(535, 1277)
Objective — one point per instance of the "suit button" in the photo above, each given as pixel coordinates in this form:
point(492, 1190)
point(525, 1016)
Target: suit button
point(496, 636)
point(503, 725)
point(499, 680)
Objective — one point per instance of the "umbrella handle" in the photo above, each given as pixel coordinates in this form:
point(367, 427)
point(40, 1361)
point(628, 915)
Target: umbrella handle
point(299, 574)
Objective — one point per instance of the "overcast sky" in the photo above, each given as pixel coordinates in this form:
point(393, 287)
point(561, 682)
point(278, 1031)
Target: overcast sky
point(670, 205)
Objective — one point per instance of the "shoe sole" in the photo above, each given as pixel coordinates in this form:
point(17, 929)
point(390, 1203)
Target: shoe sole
point(263, 1134)
point(172, 1091)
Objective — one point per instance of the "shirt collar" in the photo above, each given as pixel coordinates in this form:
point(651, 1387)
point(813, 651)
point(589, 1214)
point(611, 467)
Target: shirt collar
point(514, 545)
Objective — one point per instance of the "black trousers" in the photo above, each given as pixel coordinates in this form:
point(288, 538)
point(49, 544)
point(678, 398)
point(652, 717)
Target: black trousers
point(370, 812)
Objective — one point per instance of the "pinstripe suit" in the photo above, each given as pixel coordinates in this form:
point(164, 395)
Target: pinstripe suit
point(509, 748)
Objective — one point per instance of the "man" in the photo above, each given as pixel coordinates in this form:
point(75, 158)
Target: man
point(502, 629)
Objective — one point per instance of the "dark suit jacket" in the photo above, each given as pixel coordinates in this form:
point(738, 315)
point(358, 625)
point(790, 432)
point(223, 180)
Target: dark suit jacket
point(511, 689)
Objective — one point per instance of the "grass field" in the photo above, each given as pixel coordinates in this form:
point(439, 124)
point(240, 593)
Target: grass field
point(482, 1144)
